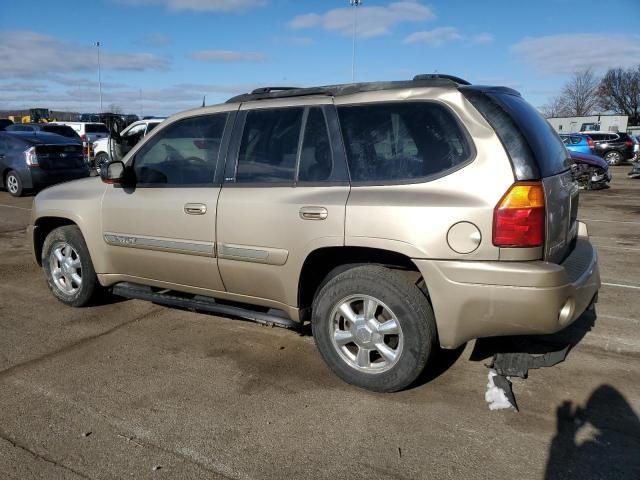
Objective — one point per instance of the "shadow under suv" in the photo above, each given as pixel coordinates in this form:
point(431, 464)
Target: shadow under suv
point(395, 217)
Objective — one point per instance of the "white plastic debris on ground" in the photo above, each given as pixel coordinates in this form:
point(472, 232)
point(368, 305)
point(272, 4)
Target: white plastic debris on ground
point(495, 396)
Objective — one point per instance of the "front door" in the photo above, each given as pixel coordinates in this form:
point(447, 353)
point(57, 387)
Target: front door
point(163, 229)
point(285, 191)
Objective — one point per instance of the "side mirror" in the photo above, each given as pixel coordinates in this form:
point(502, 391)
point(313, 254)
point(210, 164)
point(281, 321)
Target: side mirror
point(113, 172)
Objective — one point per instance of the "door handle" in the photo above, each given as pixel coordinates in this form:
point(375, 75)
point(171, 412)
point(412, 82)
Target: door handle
point(313, 213)
point(195, 208)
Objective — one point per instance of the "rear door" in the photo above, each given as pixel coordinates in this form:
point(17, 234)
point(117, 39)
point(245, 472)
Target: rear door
point(164, 228)
point(285, 191)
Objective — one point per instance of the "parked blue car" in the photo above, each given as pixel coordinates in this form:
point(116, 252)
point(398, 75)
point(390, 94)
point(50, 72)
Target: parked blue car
point(578, 142)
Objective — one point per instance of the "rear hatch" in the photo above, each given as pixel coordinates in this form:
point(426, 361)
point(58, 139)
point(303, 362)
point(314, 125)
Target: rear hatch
point(60, 157)
point(537, 154)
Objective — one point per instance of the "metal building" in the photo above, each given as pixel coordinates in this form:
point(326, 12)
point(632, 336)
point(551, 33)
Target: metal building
point(603, 123)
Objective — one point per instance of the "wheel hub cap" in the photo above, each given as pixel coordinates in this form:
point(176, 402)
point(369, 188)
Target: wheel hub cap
point(66, 268)
point(366, 334)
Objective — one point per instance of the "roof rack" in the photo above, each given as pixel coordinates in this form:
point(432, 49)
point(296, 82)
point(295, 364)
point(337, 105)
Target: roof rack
point(425, 80)
point(429, 76)
point(272, 89)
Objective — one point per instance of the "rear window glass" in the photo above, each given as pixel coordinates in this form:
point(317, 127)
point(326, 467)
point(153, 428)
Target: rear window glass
point(535, 149)
point(61, 130)
point(404, 141)
point(95, 128)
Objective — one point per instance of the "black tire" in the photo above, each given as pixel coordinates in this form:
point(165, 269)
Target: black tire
point(100, 159)
point(13, 184)
point(89, 288)
point(613, 157)
point(410, 307)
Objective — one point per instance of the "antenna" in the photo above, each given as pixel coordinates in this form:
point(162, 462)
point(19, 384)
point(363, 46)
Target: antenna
point(355, 4)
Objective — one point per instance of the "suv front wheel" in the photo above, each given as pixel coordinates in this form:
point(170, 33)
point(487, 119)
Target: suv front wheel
point(68, 267)
point(374, 328)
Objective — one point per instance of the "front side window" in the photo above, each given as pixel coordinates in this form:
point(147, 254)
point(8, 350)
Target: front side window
point(269, 146)
point(184, 153)
point(401, 141)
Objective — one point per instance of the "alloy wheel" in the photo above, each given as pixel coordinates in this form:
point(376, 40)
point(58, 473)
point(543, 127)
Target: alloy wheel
point(366, 334)
point(66, 268)
point(12, 184)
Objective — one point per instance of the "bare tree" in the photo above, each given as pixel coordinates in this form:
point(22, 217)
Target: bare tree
point(619, 92)
point(579, 95)
point(556, 107)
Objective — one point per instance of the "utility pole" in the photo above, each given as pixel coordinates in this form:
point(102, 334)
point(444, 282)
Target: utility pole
point(99, 76)
point(355, 4)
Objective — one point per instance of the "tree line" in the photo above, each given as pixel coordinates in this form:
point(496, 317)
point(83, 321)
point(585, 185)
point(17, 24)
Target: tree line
point(585, 93)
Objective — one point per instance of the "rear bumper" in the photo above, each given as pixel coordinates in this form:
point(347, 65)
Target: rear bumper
point(43, 178)
point(483, 299)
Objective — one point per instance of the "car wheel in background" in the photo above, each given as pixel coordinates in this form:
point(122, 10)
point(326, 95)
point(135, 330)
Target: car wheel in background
point(613, 157)
point(68, 267)
point(13, 184)
point(374, 328)
point(101, 159)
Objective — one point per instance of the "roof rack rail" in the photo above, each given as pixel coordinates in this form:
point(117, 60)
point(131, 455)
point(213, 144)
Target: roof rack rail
point(426, 80)
point(431, 76)
point(260, 90)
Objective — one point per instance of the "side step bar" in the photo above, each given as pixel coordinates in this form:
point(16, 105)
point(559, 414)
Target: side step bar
point(200, 303)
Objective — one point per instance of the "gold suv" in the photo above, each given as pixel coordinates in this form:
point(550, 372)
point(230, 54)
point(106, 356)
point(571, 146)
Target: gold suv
point(393, 216)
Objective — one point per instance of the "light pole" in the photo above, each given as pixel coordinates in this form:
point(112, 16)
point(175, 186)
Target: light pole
point(355, 4)
point(99, 76)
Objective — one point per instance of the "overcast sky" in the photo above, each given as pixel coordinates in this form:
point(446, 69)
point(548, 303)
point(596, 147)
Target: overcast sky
point(162, 56)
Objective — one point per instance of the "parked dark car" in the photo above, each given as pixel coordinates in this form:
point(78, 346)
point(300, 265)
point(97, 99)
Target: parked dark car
point(30, 161)
point(590, 171)
point(4, 123)
point(614, 147)
point(63, 130)
point(578, 142)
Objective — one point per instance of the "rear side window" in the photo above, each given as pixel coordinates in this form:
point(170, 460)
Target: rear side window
point(535, 149)
point(95, 128)
point(269, 146)
point(401, 142)
point(316, 161)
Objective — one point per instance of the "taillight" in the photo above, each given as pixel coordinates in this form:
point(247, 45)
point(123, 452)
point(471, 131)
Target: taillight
point(83, 138)
point(518, 219)
point(590, 143)
point(628, 142)
point(30, 157)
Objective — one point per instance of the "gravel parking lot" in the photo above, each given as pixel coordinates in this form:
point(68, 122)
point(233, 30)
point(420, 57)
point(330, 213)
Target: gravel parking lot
point(136, 390)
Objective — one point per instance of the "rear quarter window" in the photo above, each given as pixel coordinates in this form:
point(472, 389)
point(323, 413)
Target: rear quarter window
point(535, 149)
point(402, 141)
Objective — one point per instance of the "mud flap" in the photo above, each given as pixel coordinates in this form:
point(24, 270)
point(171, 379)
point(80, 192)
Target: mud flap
point(518, 364)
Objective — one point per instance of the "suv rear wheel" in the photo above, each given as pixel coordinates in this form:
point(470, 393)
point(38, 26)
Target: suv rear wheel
point(68, 267)
point(613, 157)
point(374, 328)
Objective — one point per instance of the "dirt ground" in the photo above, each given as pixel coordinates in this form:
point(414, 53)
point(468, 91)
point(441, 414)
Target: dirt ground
point(136, 390)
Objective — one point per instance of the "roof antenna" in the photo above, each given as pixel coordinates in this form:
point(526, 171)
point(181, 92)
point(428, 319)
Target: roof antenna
point(203, 97)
